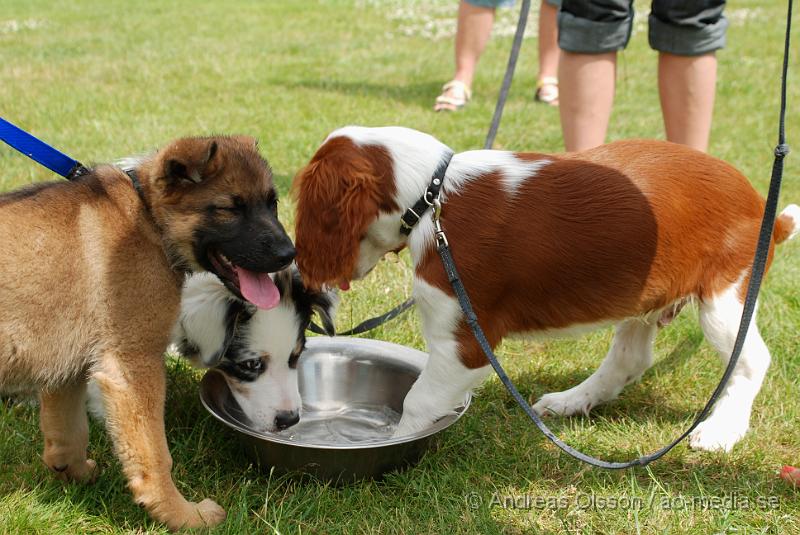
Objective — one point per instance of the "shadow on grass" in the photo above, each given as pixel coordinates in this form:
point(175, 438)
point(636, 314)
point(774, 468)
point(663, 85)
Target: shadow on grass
point(640, 402)
point(421, 95)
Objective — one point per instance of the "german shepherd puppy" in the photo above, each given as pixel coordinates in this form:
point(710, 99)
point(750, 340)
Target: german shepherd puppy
point(90, 287)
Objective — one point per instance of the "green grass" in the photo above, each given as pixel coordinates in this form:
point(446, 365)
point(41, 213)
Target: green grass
point(105, 79)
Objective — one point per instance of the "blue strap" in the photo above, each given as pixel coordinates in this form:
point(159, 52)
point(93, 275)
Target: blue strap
point(39, 151)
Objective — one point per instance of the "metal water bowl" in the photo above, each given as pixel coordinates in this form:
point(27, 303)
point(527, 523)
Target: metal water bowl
point(352, 391)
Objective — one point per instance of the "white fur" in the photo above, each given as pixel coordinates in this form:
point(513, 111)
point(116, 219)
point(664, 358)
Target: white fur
point(204, 302)
point(415, 156)
point(473, 164)
point(443, 384)
point(274, 332)
point(793, 211)
point(730, 419)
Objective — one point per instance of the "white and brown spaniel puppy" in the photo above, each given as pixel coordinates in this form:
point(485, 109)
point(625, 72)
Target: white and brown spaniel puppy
point(546, 244)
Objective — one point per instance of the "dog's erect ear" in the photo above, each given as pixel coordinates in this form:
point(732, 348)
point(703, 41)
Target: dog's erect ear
point(324, 303)
point(189, 160)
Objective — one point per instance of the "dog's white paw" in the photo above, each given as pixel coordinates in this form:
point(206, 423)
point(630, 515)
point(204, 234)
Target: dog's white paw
point(573, 401)
point(411, 424)
point(717, 434)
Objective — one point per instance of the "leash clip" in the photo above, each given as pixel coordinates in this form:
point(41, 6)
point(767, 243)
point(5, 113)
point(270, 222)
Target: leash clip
point(441, 239)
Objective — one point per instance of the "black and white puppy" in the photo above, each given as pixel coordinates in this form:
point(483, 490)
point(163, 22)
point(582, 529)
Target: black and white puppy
point(255, 349)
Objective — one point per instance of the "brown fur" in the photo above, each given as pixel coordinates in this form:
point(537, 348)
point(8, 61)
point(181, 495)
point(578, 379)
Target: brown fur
point(344, 188)
point(88, 287)
point(614, 232)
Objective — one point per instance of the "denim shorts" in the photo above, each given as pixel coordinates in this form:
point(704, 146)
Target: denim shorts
point(682, 27)
point(504, 3)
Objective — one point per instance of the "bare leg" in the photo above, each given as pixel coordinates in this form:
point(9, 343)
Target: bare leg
point(587, 83)
point(472, 33)
point(548, 41)
point(547, 79)
point(474, 28)
point(62, 418)
point(686, 85)
point(133, 394)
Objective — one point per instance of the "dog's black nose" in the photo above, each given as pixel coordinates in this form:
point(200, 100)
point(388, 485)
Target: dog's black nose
point(285, 255)
point(286, 419)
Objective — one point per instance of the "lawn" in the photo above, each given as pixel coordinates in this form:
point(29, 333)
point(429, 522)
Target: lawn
point(102, 80)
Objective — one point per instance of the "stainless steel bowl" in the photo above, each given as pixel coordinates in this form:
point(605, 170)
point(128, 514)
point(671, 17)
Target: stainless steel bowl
point(353, 391)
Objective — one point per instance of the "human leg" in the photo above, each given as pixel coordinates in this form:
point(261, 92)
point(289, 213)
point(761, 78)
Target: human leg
point(473, 30)
point(589, 35)
point(547, 79)
point(587, 83)
point(686, 86)
point(687, 37)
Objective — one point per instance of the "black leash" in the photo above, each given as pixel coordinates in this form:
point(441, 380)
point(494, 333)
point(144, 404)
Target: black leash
point(369, 324)
point(509, 76)
point(757, 273)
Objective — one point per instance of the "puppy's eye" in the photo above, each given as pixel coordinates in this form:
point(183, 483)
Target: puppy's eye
point(251, 365)
point(226, 209)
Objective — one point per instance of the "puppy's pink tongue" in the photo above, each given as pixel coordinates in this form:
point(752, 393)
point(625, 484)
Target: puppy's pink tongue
point(344, 286)
point(258, 288)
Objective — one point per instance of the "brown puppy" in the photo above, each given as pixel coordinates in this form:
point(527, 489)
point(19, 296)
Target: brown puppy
point(90, 286)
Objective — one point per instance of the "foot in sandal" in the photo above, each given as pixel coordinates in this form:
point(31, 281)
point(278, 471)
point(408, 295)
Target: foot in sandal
point(455, 94)
point(547, 91)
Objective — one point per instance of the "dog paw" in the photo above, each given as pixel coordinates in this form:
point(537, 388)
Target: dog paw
point(410, 424)
point(82, 471)
point(205, 514)
point(717, 435)
point(566, 403)
point(210, 513)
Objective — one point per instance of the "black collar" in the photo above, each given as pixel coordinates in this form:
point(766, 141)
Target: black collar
point(136, 184)
point(412, 215)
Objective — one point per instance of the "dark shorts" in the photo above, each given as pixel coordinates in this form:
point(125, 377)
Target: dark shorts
point(682, 27)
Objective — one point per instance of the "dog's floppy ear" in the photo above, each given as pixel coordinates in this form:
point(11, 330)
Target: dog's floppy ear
point(209, 328)
point(188, 161)
point(324, 303)
point(307, 300)
point(337, 196)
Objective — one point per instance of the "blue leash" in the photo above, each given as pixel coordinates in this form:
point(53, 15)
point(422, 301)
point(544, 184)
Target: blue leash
point(40, 152)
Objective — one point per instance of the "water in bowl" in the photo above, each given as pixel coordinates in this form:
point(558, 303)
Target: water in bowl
point(350, 424)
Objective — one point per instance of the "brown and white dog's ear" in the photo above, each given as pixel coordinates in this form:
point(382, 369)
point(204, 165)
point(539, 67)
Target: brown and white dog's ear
point(188, 161)
point(338, 196)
